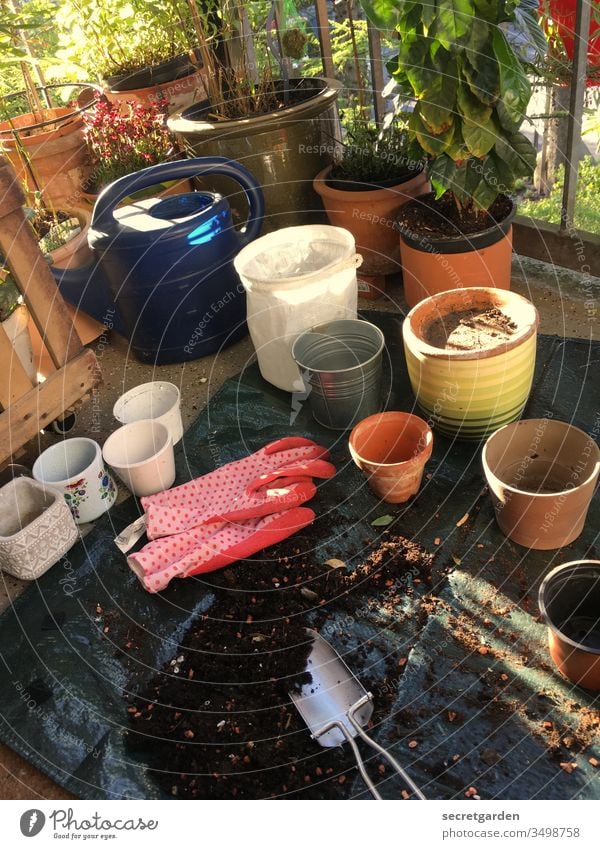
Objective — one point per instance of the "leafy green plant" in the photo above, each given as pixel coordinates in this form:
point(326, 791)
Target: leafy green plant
point(9, 294)
point(470, 91)
point(587, 208)
point(110, 37)
point(371, 157)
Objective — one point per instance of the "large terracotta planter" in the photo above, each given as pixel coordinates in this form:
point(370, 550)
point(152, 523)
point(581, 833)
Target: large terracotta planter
point(434, 265)
point(471, 393)
point(541, 475)
point(370, 216)
point(392, 449)
point(284, 150)
point(569, 601)
point(55, 159)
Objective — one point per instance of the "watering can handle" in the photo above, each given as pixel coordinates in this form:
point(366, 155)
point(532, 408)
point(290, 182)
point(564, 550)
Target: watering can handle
point(179, 170)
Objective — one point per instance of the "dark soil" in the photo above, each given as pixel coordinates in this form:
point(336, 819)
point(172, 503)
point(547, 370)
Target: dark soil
point(217, 721)
point(470, 330)
point(338, 180)
point(266, 99)
point(441, 218)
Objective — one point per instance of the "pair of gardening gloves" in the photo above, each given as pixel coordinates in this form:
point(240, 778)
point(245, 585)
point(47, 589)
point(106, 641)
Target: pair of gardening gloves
point(230, 513)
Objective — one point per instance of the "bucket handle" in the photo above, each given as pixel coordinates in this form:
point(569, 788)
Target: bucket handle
point(180, 169)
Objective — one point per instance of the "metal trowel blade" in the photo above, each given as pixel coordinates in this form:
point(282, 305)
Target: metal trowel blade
point(332, 691)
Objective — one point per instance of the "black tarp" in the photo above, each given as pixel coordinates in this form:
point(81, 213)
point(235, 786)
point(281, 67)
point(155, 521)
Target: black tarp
point(65, 670)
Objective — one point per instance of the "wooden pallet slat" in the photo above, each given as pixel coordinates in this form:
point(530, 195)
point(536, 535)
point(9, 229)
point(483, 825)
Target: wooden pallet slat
point(27, 408)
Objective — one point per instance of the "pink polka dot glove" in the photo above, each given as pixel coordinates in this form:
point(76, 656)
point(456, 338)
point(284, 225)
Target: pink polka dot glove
point(213, 546)
point(252, 487)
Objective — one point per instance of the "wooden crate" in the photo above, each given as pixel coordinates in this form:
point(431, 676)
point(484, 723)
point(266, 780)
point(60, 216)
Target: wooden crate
point(27, 408)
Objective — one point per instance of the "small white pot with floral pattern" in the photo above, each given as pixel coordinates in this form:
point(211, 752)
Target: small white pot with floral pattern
point(75, 468)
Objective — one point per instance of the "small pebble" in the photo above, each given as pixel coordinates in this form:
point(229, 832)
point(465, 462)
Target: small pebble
point(413, 744)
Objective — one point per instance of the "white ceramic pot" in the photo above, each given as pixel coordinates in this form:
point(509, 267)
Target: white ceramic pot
point(75, 468)
point(141, 453)
point(158, 400)
point(36, 528)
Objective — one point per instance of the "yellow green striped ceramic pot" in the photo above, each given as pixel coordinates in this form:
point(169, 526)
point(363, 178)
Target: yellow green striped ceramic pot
point(472, 391)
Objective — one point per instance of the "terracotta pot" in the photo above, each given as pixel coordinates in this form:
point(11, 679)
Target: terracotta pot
point(370, 216)
point(542, 475)
point(56, 157)
point(178, 93)
point(283, 149)
point(172, 187)
point(569, 600)
point(431, 266)
point(392, 449)
point(76, 252)
point(471, 393)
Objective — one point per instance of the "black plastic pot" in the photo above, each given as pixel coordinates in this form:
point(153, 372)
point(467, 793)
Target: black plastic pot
point(165, 72)
point(432, 265)
point(460, 243)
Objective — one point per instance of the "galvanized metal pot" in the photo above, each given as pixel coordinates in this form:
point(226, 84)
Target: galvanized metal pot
point(341, 364)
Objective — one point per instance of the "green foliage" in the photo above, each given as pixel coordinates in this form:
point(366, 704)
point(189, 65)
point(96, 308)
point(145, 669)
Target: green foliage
point(372, 157)
point(109, 37)
point(587, 208)
point(470, 90)
point(9, 294)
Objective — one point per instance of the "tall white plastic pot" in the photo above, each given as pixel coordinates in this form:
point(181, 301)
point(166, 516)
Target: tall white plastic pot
point(16, 327)
point(296, 278)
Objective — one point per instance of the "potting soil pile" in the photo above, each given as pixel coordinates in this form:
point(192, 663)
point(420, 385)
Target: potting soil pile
point(117, 693)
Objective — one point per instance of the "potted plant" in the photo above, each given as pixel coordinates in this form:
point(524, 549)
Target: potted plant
point(470, 93)
point(364, 189)
point(140, 50)
point(14, 317)
point(45, 145)
point(123, 142)
point(283, 129)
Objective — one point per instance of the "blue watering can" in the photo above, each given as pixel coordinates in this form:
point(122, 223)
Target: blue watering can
point(166, 264)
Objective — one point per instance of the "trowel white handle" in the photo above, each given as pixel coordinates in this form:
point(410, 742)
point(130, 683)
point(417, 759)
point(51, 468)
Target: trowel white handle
point(379, 749)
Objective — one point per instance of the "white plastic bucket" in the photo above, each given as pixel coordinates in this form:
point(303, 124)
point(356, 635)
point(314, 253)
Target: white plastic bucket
point(158, 400)
point(295, 278)
point(141, 453)
point(16, 327)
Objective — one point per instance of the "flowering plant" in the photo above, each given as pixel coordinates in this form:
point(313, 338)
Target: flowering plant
point(122, 142)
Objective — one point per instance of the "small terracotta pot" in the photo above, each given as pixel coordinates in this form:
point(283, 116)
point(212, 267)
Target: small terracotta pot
point(569, 601)
point(471, 393)
point(392, 449)
point(431, 266)
point(542, 475)
point(370, 216)
point(76, 252)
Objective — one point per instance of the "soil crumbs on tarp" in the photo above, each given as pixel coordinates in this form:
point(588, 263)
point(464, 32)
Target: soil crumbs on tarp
point(217, 721)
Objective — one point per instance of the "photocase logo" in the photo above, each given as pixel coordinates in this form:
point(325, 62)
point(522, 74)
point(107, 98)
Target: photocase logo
point(32, 822)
